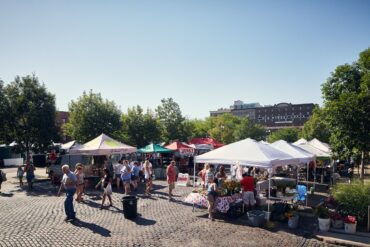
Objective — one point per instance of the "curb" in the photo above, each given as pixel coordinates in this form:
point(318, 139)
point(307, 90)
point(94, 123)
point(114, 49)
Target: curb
point(341, 242)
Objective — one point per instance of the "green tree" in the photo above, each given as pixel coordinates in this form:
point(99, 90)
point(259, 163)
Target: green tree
point(91, 116)
point(31, 113)
point(223, 127)
point(316, 126)
point(247, 129)
point(4, 118)
point(287, 134)
point(172, 121)
point(346, 96)
point(199, 127)
point(140, 129)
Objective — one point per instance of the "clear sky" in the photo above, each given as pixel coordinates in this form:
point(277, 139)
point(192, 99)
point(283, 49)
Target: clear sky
point(203, 54)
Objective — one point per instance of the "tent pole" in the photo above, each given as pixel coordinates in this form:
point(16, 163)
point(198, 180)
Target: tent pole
point(269, 200)
point(195, 163)
point(308, 166)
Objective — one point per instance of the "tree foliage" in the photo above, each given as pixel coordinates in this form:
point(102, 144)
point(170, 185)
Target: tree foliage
point(4, 118)
point(248, 129)
point(316, 126)
point(31, 112)
point(287, 134)
point(346, 96)
point(91, 116)
point(140, 129)
point(172, 121)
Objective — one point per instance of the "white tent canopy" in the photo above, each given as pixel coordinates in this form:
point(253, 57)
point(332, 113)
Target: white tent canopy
point(247, 152)
point(315, 151)
point(103, 145)
point(320, 145)
point(294, 151)
point(69, 145)
point(300, 141)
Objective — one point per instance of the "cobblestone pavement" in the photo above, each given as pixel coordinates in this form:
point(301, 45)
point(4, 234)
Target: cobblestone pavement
point(36, 219)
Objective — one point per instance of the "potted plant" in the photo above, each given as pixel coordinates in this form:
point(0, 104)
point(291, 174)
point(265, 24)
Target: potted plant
point(293, 218)
point(350, 224)
point(336, 220)
point(323, 217)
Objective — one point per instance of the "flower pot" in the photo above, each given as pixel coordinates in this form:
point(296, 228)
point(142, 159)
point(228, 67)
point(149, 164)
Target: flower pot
point(350, 228)
point(293, 222)
point(337, 224)
point(324, 224)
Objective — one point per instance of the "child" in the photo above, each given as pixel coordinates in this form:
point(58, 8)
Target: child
point(20, 173)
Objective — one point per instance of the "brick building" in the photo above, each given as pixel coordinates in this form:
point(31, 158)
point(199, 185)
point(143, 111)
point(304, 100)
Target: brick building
point(278, 116)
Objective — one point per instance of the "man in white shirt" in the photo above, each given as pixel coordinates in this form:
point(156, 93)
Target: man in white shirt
point(117, 172)
point(69, 182)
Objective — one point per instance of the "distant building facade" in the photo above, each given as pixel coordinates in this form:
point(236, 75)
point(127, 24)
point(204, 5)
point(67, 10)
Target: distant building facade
point(278, 116)
point(61, 119)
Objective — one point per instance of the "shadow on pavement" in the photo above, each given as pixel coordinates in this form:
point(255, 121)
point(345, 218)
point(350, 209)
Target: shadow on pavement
point(143, 222)
point(93, 227)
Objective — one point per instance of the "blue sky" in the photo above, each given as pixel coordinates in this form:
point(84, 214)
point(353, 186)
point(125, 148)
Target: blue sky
point(204, 54)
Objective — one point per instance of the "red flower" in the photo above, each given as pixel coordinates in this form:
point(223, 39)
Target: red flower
point(350, 219)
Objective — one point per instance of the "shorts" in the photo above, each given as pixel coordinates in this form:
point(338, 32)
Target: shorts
point(210, 197)
point(248, 198)
point(133, 177)
point(126, 181)
point(171, 185)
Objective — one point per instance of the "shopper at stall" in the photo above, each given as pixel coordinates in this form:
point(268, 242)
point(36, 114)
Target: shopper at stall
point(69, 182)
point(211, 196)
point(30, 170)
point(171, 178)
point(221, 176)
point(202, 174)
point(247, 184)
point(209, 175)
point(148, 173)
point(126, 177)
point(135, 174)
point(117, 172)
point(80, 182)
point(106, 182)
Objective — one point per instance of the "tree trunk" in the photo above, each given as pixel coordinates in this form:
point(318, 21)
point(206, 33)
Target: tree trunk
point(362, 175)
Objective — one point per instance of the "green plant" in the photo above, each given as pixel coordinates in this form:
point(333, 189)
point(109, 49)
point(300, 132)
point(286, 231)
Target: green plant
point(353, 199)
point(322, 212)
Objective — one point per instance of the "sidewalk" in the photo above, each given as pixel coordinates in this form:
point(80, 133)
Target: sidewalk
point(338, 236)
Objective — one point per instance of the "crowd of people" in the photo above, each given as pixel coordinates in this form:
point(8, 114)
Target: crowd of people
point(126, 175)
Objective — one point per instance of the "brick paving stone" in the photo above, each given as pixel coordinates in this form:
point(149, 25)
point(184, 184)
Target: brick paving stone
point(36, 219)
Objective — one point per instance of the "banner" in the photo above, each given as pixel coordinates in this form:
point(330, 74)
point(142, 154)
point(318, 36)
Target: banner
point(183, 179)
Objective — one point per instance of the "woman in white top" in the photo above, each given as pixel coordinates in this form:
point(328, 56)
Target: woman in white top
point(148, 173)
point(80, 182)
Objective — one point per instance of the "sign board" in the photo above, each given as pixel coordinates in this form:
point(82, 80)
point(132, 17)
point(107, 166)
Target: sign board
point(183, 179)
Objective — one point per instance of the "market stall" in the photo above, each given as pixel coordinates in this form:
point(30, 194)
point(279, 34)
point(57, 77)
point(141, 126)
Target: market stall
point(249, 153)
point(157, 156)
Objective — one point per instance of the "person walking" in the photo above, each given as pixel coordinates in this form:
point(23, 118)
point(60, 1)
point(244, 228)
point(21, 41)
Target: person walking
point(202, 175)
point(209, 175)
point(148, 173)
point(171, 178)
point(247, 184)
point(30, 170)
point(20, 174)
point(80, 182)
point(107, 186)
point(211, 196)
point(135, 174)
point(221, 176)
point(117, 172)
point(69, 182)
point(126, 177)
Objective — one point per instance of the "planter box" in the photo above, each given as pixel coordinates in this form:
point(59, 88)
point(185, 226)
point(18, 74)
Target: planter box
point(350, 228)
point(324, 224)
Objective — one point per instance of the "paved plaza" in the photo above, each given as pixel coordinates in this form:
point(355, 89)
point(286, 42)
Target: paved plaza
point(37, 219)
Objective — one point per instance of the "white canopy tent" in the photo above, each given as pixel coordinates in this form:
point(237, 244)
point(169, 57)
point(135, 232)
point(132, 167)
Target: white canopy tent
point(313, 150)
point(69, 145)
point(103, 145)
point(248, 152)
point(320, 145)
point(294, 151)
point(300, 141)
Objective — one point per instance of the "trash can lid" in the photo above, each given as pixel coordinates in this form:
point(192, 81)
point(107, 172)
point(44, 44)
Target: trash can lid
point(129, 198)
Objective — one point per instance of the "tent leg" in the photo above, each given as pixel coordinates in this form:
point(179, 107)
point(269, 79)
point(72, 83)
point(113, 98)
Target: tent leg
point(308, 166)
point(195, 163)
point(269, 200)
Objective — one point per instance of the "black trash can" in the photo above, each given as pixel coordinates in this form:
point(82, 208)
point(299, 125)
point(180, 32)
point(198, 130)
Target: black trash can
point(129, 207)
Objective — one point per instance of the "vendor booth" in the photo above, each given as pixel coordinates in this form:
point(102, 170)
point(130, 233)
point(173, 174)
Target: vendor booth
point(249, 153)
point(159, 156)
